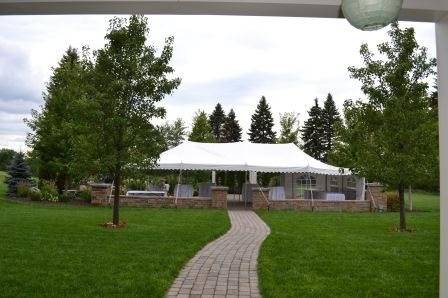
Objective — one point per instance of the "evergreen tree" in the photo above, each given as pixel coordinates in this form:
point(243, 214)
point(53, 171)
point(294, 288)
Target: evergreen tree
point(231, 131)
point(217, 119)
point(330, 120)
point(313, 133)
point(261, 127)
point(201, 131)
point(18, 172)
point(289, 128)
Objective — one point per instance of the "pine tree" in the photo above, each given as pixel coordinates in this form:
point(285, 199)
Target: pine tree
point(217, 119)
point(201, 131)
point(231, 131)
point(289, 128)
point(18, 172)
point(313, 134)
point(261, 128)
point(330, 120)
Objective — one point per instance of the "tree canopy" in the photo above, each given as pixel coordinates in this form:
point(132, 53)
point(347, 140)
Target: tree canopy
point(202, 130)
point(173, 134)
point(289, 128)
point(331, 120)
point(6, 157)
point(262, 124)
point(392, 136)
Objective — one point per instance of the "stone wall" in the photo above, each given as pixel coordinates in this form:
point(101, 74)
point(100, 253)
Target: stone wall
point(260, 198)
point(101, 192)
point(375, 193)
point(319, 205)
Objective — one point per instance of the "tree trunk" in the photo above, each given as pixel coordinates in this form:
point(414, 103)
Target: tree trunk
point(402, 208)
point(116, 213)
point(410, 198)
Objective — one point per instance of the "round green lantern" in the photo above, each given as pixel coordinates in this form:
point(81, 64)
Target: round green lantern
point(369, 15)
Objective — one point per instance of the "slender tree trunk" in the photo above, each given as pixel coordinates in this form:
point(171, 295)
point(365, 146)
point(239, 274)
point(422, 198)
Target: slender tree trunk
point(410, 198)
point(402, 208)
point(116, 212)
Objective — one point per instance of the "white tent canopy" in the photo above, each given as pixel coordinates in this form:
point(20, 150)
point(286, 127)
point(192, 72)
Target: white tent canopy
point(244, 156)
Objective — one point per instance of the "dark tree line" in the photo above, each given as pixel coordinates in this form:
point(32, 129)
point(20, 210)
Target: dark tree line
point(319, 130)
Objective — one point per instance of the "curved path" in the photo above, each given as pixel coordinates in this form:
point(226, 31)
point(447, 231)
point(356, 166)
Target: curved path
point(226, 267)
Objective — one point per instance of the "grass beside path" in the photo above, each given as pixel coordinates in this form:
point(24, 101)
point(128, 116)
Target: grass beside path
point(351, 255)
point(60, 251)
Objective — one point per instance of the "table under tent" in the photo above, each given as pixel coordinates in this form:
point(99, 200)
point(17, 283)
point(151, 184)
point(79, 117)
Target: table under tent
point(301, 176)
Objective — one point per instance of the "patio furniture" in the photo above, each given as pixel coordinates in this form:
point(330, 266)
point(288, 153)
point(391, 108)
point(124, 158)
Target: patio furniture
point(146, 193)
point(183, 190)
point(205, 189)
point(277, 193)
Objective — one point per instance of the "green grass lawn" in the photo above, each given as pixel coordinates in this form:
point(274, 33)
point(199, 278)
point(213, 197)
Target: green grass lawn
point(60, 251)
point(351, 255)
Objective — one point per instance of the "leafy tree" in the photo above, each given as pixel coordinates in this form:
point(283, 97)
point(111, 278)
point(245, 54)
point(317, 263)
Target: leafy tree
point(129, 79)
point(6, 157)
point(392, 137)
point(52, 129)
point(217, 120)
point(231, 131)
point(18, 171)
point(289, 128)
point(330, 121)
point(173, 134)
point(201, 131)
point(313, 136)
point(261, 127)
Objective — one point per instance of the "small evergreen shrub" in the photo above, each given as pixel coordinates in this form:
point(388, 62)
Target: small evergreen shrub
point(22, 189)
point(18, 172)
point(34, 194)
point(49, 191)
point(393, 201)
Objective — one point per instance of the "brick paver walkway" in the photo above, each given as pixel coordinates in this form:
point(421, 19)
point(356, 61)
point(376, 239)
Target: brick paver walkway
point(226, 267)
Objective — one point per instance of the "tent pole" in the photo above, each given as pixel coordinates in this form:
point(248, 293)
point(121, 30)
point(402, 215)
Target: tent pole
point(178, 186)
point(311, 190)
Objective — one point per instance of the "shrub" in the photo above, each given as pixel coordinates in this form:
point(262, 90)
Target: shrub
point(22, 189)
point(393, 201)
point(85, 195)
point(64, 197)
point(34, 194)
point(49, 191)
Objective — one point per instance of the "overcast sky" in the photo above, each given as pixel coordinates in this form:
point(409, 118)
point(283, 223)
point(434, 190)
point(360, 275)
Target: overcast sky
point(231, 60)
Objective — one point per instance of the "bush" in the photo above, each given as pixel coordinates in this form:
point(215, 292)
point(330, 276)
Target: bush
point(393, 201)
point(85, 195)
point(34, 194)
point(64, 197)
point(49, 191)
point(22, 189)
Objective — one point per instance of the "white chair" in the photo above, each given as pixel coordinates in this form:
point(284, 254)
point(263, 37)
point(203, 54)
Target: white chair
point(277, 193)
point(183, 191)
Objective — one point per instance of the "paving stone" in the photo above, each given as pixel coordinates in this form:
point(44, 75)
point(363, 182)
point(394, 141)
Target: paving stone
point(227, 266)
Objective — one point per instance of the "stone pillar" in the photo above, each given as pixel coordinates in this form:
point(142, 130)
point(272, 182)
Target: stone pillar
point(442, 67)
point(260, 198)
point(100, 193)
point(219, 197)
point(375, 193)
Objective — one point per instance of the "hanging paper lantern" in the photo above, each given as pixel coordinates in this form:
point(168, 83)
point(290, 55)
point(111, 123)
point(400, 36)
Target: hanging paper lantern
point(369, 15)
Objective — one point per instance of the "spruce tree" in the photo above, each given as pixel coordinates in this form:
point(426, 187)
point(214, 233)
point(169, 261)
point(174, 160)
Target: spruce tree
point(231, 131)
point(313, 133)
point(18, 172)
point(261, 128)
point(217, 119)
point(330, 120)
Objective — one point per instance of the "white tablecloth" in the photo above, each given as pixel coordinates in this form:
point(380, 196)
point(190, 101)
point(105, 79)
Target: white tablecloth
point(332, 196)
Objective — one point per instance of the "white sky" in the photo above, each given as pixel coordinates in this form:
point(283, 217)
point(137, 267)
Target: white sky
point(233, 60)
